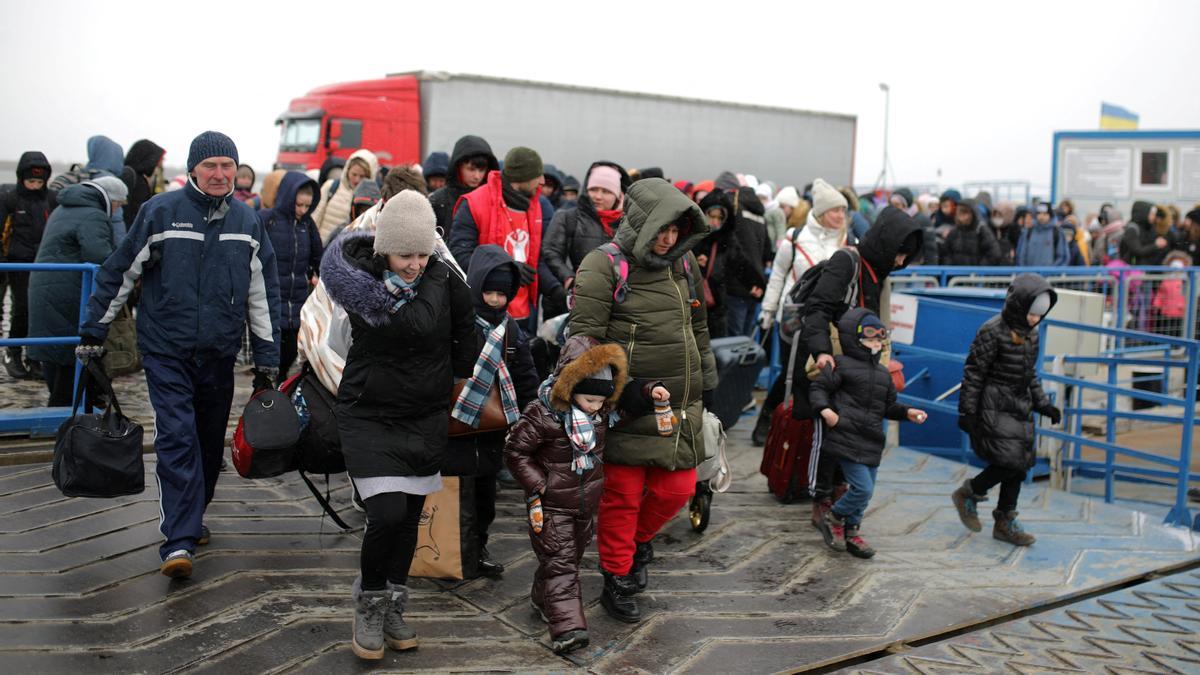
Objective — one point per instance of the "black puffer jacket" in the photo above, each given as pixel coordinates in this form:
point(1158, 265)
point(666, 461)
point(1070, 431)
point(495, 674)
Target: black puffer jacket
point(480, 454)
point(23, 212)
point(394, 399)
point(894, 232)
point(971, 245)
point(1137, 245)
point(861, 392)
point(756, 244)
point(575, 232)
point(143, 157)
point(731, 266)
point(1000, 387)
point(444, 198)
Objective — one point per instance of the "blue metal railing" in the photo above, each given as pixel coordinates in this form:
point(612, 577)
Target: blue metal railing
point(41, 419)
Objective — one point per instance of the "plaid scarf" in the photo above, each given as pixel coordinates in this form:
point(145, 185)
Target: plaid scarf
point(400, 288)
point(490, 365)
point(579, 427)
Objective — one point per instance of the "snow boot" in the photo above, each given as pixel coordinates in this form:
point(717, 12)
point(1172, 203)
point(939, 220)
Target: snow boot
point(617, 597)
point(369, 610)
point(642, 556)
point(833, 529)
point(570, 641)
point(396, 633)
point(856, 545)
point(1008, 529)
point(966, 502)
point(819, 508)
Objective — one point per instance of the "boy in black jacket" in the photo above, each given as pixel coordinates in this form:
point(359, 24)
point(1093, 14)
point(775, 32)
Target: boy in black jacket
point(853, 397)
point(494, 281)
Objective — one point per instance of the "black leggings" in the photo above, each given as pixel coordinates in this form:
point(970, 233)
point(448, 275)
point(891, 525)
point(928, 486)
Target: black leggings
point(1009, 481)
point(391, 538)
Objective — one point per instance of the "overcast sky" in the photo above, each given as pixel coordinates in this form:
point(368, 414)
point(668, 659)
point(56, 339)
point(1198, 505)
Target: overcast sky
point(977, 89)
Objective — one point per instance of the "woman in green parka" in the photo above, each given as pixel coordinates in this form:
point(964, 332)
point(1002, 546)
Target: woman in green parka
point(660, 320)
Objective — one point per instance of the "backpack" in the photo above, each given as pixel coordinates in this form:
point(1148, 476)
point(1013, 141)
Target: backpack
point(333, 188)
point(620, 265)
point(792, 319)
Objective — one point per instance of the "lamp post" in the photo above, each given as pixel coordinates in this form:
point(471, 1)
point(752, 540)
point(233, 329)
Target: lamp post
point(887, 101)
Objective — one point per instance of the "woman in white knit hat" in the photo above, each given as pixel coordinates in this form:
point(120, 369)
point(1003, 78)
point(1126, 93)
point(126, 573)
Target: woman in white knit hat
point(801, 248)
point(412, 331)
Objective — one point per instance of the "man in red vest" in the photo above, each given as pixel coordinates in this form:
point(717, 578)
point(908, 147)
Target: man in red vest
point(506, 211)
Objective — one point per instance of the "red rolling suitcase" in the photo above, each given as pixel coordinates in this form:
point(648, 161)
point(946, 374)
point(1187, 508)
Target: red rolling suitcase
point(786, 456)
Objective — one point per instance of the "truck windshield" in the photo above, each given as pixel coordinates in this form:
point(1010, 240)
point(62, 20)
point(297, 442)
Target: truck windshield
point(300, 135)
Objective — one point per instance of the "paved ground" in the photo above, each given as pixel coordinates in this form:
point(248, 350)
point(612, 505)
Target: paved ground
point(757, 592)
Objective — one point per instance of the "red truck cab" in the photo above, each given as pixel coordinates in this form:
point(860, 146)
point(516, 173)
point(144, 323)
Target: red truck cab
point(382, 115)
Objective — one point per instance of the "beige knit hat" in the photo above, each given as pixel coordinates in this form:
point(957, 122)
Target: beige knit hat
point(406, 225)
point(825, 198)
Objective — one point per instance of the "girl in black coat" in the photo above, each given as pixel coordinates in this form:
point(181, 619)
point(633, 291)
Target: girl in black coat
point(1000, 391)
point(853, 398)
point(413, 331)
point(724, 262)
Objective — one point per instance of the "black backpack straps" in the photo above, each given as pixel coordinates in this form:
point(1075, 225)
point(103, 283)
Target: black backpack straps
point(324, 501)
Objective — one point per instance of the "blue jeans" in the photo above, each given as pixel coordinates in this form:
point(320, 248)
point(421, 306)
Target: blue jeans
point(853, 504)
point(741, 314)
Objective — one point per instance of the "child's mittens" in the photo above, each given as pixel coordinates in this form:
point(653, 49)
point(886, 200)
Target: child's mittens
point(534, 502)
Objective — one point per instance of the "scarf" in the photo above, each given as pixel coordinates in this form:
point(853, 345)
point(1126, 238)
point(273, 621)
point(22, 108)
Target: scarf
point(400, 288)
point(513, 199)
point(607, 217)
point(490, 364)
point(579, 427)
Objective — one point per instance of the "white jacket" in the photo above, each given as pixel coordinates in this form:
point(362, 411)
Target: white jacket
point(794, 255)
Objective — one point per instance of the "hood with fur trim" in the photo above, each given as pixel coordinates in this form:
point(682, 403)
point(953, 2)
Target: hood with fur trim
point(353, 277)
point(582, 356)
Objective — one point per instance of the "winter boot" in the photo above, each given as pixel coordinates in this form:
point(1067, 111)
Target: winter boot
point(570, 641)
point(833, 529)
point(1008, 529)
point(487, 566)
point(966, 501)
point(396, 633)
point(762, 429)
point(819, 508)
point(617, 597)
point(856, 545)
point(642, 557)
point(15, 365)
point(369, 610)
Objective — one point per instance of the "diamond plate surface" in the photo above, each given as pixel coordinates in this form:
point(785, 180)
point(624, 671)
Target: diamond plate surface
point(1151, 628)
point(757, 592)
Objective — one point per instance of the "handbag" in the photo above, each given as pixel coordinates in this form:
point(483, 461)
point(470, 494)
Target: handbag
point(710, 300)
point(490, 419)
point(98, 454)
point(264, 444)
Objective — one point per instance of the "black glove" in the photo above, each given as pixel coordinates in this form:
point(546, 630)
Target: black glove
point(525, 274)
point(263, 378)
point(1053, 413)
point(89, 348)
point(967, 423)
point(708, 398)
point(634, 401)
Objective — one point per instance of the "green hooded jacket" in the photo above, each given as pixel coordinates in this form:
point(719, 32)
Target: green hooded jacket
point(664, 337)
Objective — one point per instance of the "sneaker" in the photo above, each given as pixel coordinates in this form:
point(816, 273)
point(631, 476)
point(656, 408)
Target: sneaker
point(369, 610)
point(833, 529)
point(643, 555)
point(205, 536)
point(966, 503)
point(570, 641)
point(177, 565)
point(1008, 529)
point(396, 633)
point(856, 545)
point(489, 567)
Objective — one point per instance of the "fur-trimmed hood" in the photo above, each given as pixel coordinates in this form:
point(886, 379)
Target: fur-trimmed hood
point(353, 276)
point(581, 356)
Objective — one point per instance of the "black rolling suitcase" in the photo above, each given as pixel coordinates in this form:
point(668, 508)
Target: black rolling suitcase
point(739, 360)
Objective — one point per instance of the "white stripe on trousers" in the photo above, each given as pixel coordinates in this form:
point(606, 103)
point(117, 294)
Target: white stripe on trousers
point(814, 457)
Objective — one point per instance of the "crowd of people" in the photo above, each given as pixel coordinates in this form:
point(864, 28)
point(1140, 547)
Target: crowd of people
point(414, 294)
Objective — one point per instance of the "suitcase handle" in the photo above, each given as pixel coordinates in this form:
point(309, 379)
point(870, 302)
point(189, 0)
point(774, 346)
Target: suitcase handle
point(746, 356)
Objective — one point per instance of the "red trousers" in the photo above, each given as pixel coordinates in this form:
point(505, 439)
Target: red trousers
point(637, 502)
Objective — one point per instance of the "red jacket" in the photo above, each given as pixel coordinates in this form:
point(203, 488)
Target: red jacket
point(498, 225)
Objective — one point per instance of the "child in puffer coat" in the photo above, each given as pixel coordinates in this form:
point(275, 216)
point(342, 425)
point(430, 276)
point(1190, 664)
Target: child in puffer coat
point(853, 398)
point(1000, 391)
point(554, 451)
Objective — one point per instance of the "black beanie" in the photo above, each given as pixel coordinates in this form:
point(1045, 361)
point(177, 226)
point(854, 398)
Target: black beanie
point(500, 279)
point(600, 383)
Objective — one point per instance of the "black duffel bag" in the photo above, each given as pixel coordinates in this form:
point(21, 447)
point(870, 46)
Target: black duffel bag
point(98, 454)
point(264, 443)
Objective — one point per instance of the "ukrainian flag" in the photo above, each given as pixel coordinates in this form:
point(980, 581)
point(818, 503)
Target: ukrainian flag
point(1116, 117)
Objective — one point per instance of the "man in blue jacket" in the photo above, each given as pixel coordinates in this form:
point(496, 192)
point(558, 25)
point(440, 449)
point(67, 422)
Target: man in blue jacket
point(207, 268)
point(1043, 243)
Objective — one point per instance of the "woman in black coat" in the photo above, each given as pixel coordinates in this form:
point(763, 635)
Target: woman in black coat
point(413, 331)
point(1000, 393)
point(724, 261)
